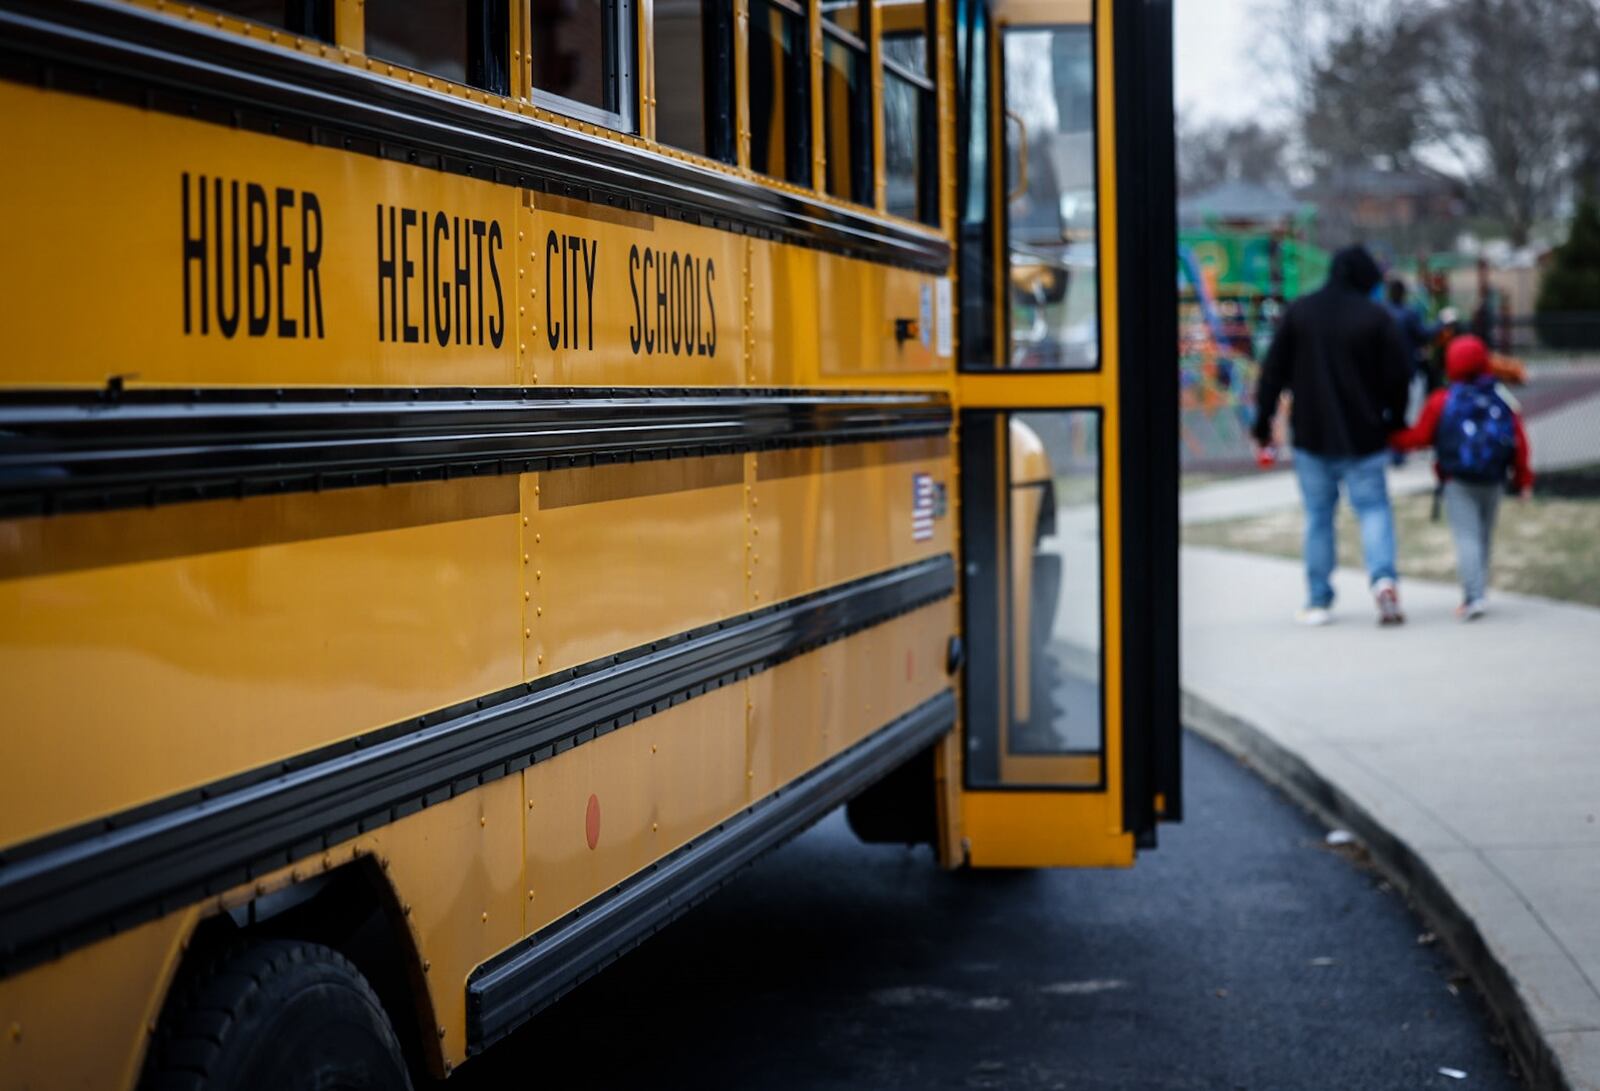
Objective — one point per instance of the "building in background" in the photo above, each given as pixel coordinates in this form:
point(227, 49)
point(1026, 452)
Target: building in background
point(1395, 212)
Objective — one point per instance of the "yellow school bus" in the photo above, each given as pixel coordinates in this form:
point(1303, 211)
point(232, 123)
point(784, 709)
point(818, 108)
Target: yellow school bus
point(475, 474)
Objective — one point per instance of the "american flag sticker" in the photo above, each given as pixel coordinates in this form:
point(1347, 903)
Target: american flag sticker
point(923, 495)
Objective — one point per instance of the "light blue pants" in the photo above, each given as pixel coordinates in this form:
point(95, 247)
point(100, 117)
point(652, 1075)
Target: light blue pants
point(1471, 509)
point(1366, 481)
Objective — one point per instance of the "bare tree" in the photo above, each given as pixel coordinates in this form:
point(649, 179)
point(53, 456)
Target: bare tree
point(1510, 98)
point(1365, 102)
point(1296, 37)
point(1509, 86)
point(1217, 152)
point(1586, 138)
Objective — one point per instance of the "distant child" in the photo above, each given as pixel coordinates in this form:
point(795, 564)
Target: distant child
point(1477, 439)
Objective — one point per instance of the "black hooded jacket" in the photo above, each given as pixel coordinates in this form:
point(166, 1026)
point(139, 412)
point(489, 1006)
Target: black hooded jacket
point(1341, 356)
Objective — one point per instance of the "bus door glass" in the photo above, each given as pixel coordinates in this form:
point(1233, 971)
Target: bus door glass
point(1036, 617)
point(1053, 257)
point(1044, 485)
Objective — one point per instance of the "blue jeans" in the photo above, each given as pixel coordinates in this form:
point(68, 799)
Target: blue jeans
point(1472, 508)
point(1368, 486)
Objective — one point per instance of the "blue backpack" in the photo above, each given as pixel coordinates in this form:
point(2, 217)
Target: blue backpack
point(1477, 436)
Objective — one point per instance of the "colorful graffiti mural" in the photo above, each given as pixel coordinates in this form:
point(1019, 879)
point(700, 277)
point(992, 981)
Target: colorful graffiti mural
point(1218, 346)
point(1232, 286)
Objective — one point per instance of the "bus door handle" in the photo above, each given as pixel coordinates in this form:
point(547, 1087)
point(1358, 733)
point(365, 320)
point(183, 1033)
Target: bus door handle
point(1021, 188)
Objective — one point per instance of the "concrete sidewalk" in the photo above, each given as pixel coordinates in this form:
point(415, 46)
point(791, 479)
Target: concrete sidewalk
point(1466, 757)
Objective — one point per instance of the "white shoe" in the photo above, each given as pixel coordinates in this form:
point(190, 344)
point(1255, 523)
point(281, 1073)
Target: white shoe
point(1472, 611)
point(1387, 595)
point(1313, 616)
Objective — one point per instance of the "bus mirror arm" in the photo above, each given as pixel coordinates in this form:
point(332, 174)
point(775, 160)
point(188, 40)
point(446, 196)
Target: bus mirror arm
point(1021, 188)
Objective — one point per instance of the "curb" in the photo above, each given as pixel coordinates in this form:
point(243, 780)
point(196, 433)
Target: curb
point(1401, 865)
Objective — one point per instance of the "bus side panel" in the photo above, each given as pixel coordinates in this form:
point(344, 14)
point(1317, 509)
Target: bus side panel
point(625, 554)
point(82, 1021)
point(342, 260)
point(458, 868)
point(624, 299)
point(607, 809)
point(811, 708)
point(455, 873)
point(784, 319)
point(818, 318)
point(390, 274)
point(862, 303)
point(853, 325)
point(604, 810)
point(824, 515)
point(152, 651)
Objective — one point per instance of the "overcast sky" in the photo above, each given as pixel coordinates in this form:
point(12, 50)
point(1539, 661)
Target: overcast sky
point(1217, 77)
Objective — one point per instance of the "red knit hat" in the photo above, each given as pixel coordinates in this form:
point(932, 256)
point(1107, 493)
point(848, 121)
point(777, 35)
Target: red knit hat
point(1466, 358)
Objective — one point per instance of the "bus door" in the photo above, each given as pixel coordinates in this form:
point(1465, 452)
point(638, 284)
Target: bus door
point(1068, 418)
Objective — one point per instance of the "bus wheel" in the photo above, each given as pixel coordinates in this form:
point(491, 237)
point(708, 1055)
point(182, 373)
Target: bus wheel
point(278, 1016)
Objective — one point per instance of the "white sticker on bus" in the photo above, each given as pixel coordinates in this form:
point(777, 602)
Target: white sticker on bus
point(946, 334)
point(922, 505)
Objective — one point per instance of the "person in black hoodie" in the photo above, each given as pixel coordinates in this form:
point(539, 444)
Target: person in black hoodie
point(1342, 358)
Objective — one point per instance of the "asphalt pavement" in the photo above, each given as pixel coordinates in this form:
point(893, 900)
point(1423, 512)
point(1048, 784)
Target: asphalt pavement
point(1244, 953)
point(1465, 756)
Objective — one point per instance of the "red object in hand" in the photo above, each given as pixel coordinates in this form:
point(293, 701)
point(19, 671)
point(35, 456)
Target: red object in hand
point(1266, 457)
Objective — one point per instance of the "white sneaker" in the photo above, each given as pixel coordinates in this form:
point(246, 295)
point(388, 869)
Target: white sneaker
point(1313, 616)
point(1387, 595)
point(1472, 611)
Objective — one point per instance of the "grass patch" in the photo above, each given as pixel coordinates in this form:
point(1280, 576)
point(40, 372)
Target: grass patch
point(1549, 546)
point(1074, 489)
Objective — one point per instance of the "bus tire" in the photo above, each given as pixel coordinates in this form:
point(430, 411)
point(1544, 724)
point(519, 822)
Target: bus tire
point(279, 1015)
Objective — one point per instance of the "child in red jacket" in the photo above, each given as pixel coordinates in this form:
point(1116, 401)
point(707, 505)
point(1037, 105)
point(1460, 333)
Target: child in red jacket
point(1477, 439)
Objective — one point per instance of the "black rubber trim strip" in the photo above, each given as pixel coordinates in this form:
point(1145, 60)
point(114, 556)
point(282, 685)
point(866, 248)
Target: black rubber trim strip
point(1148, 397)
point(119, 52)
point(514, 985)
point(90, 451)
point(73, 887)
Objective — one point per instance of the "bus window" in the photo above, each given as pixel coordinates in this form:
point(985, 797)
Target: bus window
point(1052, 200)
point(847, 100)
point(910, 114)
point(464, 42)
point(312, 18)
point(582, 53)
point(780, 91)
point(694, 76)
point(1035, 682)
